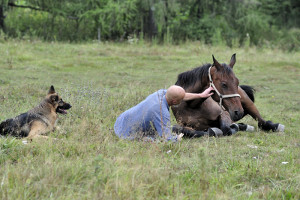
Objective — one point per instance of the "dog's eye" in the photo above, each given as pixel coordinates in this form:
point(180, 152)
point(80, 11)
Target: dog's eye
point(54, 98)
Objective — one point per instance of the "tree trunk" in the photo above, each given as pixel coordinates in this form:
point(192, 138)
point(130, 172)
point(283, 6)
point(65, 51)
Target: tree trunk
point(2, 17)
point(152, 25)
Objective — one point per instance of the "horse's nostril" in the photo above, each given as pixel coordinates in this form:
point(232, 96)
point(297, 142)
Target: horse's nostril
point(236, 113)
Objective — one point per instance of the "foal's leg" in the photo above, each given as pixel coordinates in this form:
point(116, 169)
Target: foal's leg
point(226, 124)
point(195, 120)
point(250, 108)
point(244, 127)
point(216, 117)
point(188, 132)
point(191, 133)
point(211, 111)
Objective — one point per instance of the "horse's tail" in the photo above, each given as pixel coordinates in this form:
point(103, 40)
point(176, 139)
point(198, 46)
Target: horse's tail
point(249, 91)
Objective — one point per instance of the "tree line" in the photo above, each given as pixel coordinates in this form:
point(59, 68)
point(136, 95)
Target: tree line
point(226, 22)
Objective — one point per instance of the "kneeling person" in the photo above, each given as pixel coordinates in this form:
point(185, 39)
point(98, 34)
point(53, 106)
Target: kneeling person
point(152, 115)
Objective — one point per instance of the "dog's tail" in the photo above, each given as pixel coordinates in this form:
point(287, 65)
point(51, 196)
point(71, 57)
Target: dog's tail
point(3, 127)
point(249, 91)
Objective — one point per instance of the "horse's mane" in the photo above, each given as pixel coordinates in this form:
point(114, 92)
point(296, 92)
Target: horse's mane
point(190, 78)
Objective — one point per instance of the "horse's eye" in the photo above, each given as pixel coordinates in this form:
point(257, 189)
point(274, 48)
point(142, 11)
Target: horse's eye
point(224, 86)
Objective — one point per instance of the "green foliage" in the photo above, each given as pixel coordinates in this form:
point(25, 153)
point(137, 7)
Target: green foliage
point(253, 25)
point(165, 21)
point(116, 18)
point(290, 40)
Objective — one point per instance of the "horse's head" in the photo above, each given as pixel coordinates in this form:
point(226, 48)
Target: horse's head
point(227, 84)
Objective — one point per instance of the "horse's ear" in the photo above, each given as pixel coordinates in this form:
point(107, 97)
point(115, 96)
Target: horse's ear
point(232, 61)
point(216, 64)
point(51, 90)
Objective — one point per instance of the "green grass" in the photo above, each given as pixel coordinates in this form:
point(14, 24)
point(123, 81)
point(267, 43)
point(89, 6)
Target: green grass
point(103, 80)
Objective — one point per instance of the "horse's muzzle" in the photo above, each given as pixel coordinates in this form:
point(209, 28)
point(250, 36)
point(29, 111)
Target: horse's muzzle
point(236, 115)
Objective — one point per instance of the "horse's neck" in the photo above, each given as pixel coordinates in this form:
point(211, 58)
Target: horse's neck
point(199, 87)
point(195, 103)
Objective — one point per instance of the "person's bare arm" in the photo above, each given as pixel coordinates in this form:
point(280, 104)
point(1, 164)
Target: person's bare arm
point(206, 93)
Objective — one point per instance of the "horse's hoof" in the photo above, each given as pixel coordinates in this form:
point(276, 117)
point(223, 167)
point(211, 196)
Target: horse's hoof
point(215, 132)
point(280, 128)
point(235, 126)
point(246, 127)
point(250, 128)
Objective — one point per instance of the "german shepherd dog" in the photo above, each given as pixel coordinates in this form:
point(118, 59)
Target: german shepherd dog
point(38, 121)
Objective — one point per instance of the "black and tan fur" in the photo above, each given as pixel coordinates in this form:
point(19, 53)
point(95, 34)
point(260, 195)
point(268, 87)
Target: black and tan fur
point(38, 121)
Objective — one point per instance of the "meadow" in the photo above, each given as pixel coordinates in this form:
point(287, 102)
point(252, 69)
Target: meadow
point(101, 80)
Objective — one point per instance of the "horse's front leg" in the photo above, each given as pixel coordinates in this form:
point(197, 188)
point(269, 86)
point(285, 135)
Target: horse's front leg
point(230, 128)
point(250, 108)
point(226, 124)
point(218, 118)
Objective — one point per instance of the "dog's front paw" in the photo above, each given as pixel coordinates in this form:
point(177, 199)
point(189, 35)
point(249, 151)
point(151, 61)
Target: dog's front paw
point(24, 141)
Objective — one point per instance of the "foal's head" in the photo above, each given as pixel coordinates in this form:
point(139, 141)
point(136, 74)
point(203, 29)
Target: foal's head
point(227, 83)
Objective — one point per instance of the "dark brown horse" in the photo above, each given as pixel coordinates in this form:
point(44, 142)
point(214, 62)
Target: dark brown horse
point(229, 103)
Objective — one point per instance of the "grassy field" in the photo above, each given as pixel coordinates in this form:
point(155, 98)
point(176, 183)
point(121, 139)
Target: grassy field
point(103, 80)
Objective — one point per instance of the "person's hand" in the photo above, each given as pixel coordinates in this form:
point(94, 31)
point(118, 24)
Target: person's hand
point(207, 92)
point(179, 137)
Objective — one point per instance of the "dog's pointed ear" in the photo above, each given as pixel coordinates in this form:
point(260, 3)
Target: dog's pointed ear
point(217, 64)
point(232, 61)
point(51, 90)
